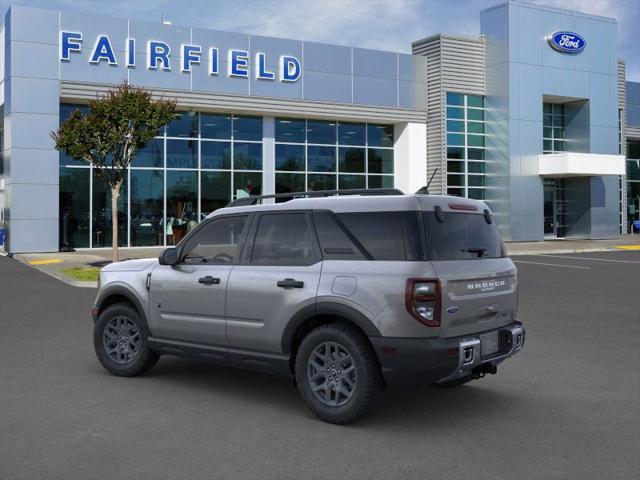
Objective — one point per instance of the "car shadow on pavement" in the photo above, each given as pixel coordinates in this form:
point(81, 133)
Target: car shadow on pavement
point(407, 409)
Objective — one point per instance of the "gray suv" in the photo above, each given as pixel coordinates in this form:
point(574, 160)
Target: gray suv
point(347, 294)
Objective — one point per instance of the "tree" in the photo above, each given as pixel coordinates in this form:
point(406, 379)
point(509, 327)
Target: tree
point(117, 126)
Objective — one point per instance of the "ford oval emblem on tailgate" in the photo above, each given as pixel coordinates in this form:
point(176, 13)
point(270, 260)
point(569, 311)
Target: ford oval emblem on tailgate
point(452, 309)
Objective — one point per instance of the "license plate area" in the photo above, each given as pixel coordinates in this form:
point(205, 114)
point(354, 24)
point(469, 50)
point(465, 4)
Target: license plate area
point(489, 344)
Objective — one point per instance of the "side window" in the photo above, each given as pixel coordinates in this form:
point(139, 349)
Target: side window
point(283, 239)
point(380, 233)
point(334, 241)
point(215, 243)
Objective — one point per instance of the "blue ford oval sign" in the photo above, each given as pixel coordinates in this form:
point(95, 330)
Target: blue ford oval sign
point(567, 42)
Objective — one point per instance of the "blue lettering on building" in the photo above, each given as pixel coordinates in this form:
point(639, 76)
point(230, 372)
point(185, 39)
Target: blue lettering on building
point(159, 56)
point(567, 42)
point(103, 51)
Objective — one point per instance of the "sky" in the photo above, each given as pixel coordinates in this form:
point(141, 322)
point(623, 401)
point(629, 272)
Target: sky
point(378, 24)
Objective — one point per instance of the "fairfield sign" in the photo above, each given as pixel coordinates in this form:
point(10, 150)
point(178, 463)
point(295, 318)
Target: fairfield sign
point(159, 56)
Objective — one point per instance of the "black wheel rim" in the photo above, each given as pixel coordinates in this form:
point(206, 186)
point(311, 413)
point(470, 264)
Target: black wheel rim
point(121, 340)
point(331, 373)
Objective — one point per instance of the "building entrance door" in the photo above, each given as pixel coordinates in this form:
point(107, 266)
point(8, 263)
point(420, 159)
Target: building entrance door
point(555, 208)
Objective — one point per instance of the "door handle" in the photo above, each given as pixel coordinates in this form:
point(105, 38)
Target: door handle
point(209, 280)
point(290, 283)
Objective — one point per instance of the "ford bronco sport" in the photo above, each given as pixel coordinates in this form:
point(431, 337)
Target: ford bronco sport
point(347, 293)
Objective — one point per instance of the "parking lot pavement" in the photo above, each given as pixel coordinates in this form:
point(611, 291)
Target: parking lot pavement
point(566, 407)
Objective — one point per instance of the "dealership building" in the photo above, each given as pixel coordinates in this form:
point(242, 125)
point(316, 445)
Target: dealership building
point(534, 116)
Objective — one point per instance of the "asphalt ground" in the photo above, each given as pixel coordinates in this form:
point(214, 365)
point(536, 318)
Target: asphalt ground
point(568, 406)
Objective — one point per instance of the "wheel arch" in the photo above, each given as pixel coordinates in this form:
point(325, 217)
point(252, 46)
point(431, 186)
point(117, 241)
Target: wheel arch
point(113, 294)
point(323, 313)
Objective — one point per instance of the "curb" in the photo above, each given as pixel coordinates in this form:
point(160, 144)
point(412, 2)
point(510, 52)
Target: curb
point(58, 276)
point(563, 251)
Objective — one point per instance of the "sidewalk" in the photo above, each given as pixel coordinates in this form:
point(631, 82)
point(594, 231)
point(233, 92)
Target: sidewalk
point(58, 264)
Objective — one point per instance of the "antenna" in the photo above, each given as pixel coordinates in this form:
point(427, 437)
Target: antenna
point(425, 190)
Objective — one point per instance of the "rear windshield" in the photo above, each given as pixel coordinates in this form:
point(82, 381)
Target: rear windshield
point(461, 236)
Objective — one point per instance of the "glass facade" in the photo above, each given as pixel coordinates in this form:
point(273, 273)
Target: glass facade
point(327, 155)
point(552, 128)
point(465, 130)
point(633, 182)
point(198, 163)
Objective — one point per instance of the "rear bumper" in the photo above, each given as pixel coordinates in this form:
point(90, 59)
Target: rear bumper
point(416, 362)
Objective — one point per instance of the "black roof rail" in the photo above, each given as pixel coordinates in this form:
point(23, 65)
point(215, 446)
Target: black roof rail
point(253, 200)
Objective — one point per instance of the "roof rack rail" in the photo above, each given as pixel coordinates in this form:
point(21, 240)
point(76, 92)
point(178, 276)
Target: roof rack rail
point(253, 200)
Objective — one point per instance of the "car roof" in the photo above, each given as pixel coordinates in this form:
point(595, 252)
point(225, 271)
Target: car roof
point(365, 203)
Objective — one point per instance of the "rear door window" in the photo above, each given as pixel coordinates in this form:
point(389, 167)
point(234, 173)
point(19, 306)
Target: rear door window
point(284, 239)
point(461, 236)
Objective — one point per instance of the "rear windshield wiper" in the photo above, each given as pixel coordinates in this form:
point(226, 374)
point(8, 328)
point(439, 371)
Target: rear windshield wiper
point(479, 251)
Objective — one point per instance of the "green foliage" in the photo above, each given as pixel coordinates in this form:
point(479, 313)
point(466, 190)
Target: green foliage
point(117, 126)
point(83, 274)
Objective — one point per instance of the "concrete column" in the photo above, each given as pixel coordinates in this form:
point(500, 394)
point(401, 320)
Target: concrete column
point(268, 156)
point(31, 112)
point(410, 156)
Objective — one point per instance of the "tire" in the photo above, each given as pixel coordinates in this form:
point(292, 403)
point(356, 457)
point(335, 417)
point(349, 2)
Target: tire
point(120, 326)
point(454, 383)
point(339, 397)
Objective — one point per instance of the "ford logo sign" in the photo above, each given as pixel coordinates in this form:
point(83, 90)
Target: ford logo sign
point(567, 42)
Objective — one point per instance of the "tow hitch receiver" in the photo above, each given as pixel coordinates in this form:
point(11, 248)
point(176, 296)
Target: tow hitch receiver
point(481, 370)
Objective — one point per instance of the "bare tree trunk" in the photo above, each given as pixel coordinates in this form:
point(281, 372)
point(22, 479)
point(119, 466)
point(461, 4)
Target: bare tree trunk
point(115, 194)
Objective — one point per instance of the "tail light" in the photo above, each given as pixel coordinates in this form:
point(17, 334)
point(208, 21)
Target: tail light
point(422, 299)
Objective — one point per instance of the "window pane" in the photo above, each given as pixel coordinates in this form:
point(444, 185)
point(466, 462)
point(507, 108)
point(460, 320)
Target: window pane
point(289, 182)
point(247, 128)
point(247, 156)
point(182, 204)
point(475, 127)
point(456, 192)
point(215, 126)
point(380, 135)
point(346, 182)
point(247, 183)
point(455, 152)
point(557, 108)
point(547, 132)
point(633, 170)
point(290, 130)
point(455, 126)
point(547, 145)
point(215, 155)
point(380, 181)
point(476, 167)
point(67, 160)
point(455, 180)
point(454, 112)
point(558, 145)
point(475, 153)
point(74, 207)
point(182, 153)
point(146, 207)
point(380, 161)
point(380, 233)
point(215, 190)
point(475, 101)
point(558, 133)
point(351, 160)
point(216, 242)
point(558, 121)
point(547, 120)
point(455, 98)
point(546, 108)
point(633, 149)
point(321, 159)
point(290, 157)
point(455, 167)
point(455, 139)
point(475, 140)
point(66, 109)
point(476, 180)
point(319, 131)
point(476, 193)
point(283, 239)
point(183, 125)
point(477, 115)
point(351, 133)
point(101, 216)
point(152, 155)
point(321, 182)
point(334, 242)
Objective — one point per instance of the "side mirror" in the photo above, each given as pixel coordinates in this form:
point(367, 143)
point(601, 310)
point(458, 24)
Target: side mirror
point(169, 256)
